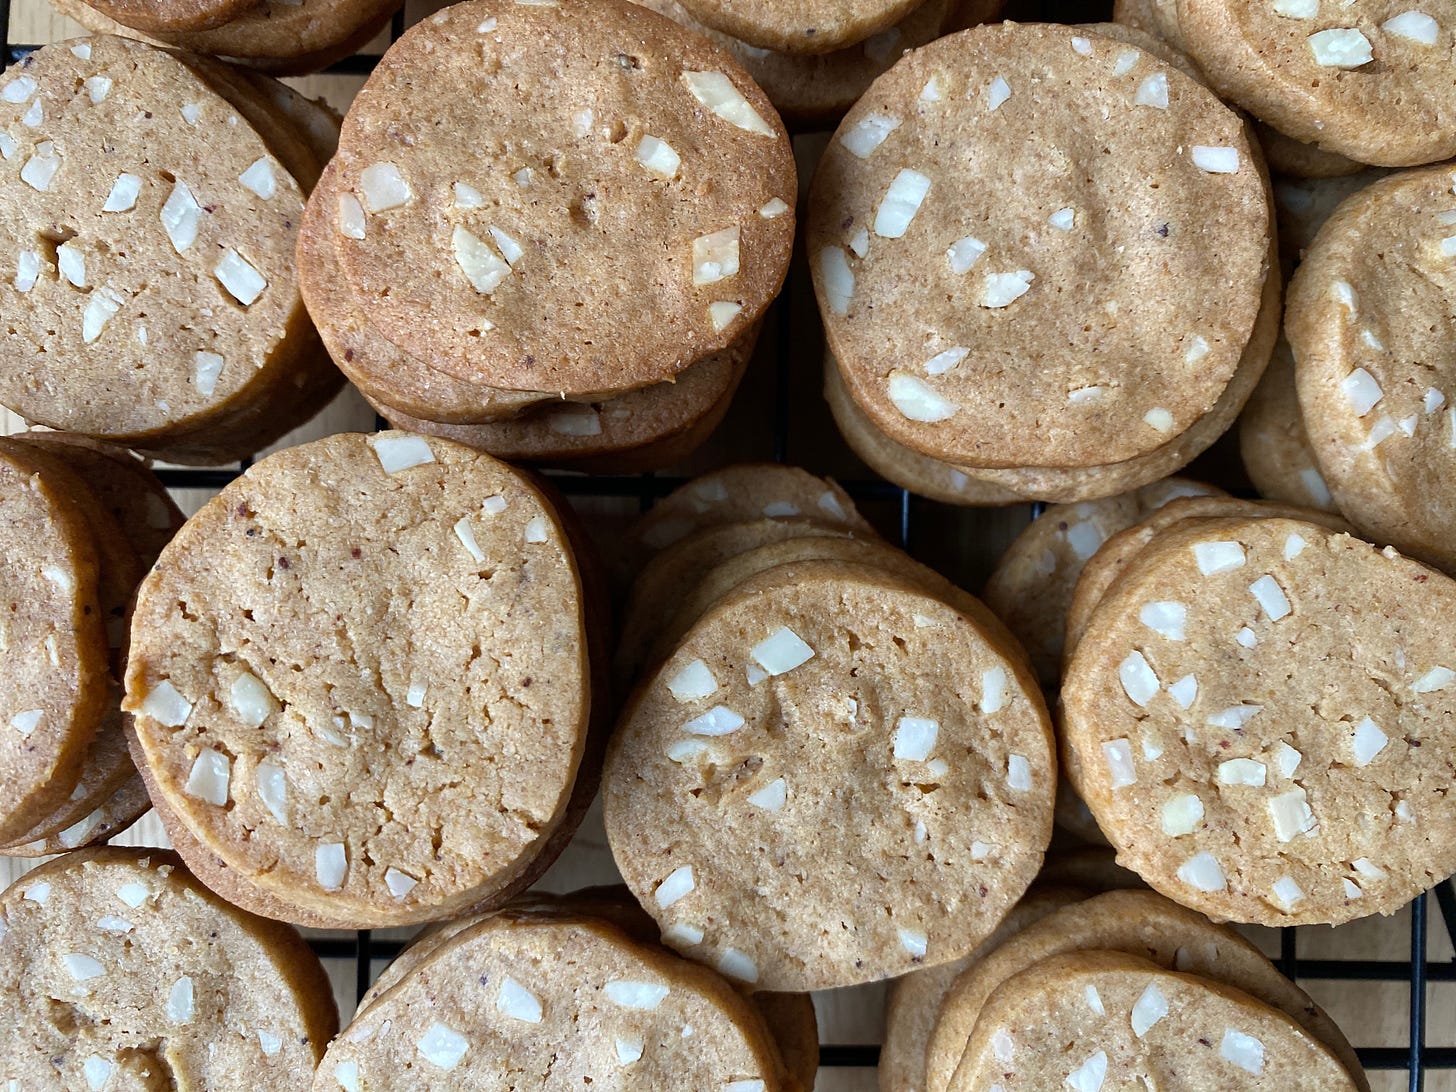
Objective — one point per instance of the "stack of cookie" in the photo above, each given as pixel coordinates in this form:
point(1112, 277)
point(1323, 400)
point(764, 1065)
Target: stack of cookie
point(1125, 990)
point(362, 684)
point(576, 989)
point(120, 970)
point(152, 203)
point(566, 261)
point(1239, 685)
point(84, 522)
point(1044, 259)
point(837, 766)
point(280, 37)
point(813, 72)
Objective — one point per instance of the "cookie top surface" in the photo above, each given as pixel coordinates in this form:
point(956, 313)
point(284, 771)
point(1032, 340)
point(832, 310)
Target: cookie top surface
point(1031, 587)
point(572, 150)
point(989, 225)
point(167, 986)
point(153, 279)
point(1153, 928)
point(1095, 1020)
point(359, 676)
point(1245, 691)
point(814, 27)
point(558, 1002)
point(164, 15)
point(54, 637)
point(924, 818)
point(1274, 444)
point(1372, 317)
point(1372, 80)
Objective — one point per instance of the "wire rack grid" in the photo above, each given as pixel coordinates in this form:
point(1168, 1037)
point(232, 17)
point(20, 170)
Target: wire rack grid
point(1414, 1061)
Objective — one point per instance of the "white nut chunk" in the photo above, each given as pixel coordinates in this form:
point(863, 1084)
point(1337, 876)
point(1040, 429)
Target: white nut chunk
point(917, 400)
point(251, 700)
point(383, 187)
point(900, 204)
point(1341, 47)
point(165, 705)
point(715, 256)
point(837, 279)
point(210, 777)
point(442, 1046)
point(181, 217)
point(1004, 289)
point(678, 885)
point(481, 266)
point(1216, 159)
point(716, 91)
point(517, 1002)
point(781, 651)
point(331, 865)
point(641, 996)
point(869, 133)
point(400, 452)
point(242, 280)
point(915, 738)
point(694, 681)
point(658, 157)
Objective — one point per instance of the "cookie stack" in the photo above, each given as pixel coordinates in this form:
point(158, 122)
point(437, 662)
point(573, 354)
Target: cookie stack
point(575, 989)
point(162, 984)
point(1044, 261)
point(361, 684)
point(1127, 989)
point(280, 37)
point(836, 766)
point(810, 85)
point(84, 523)
point(591, 206)
point(1240, 690)
point(152, 202)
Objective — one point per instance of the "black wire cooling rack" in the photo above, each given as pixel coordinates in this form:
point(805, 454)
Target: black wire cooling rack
point(366, 951)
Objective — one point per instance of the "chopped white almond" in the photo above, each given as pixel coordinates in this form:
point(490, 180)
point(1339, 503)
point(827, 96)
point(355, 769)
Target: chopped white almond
point(1215, 160)
point(442, 1046)
point(717, 92)
point(1004, 289)
point(869, 133)
point(781, 651)
point(1341, 47)
point(1121, 772)
point(1182, 814)
point(401, 451)
point(1139, 681)
point(837, 279)
point(383, 187)
point(1203, 873)
point(1242, 771)
point(915, 738)
point(901, 202)
point(918, 400)
point(1413, 26)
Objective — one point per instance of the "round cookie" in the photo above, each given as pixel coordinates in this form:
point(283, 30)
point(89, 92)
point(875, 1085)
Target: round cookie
point(1031, 586)
point(168, 288)
point(1331, 76)
point(1092, 1017)
point(282, 37)
point(669, 577)
point(975, 293)
point(163, 984)
point(819, 88)
point(1274, 445)
point(1288, 156)
point(1371, 321)
point(56, 657)
point(1156, 17)
point(522, 281)
point(1115, 555)
point(314, 709)
point(813, 27)
point(914, 1000)
point(165, 15)
point(110, 818)
point(1146, 925)
point(1253, 717)
point(736, 494)
point(920, 730)
point(1303, 205)
point(567, 1001)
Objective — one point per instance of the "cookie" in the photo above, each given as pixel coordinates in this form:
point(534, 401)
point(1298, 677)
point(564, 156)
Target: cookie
point(57, 669)
point(920, 730)
point(1090, 868)
point(1274, 444)
point(1156, 17)
point(814, 89)
point(174, 14)
point(670, 577)
point(108, 819)
point(168, 289)
point(1329, 76)
point(615, 430)
point(735, 494)
point(1304, 204)
point(1115, 555)
point(312, 707)
point(1287, 156)
point(932, 305)
point(1138, 923)
point(914, 1000)
point(1100, 1019)
point(816, 27)
point(161, 983)
point(554, 1000)
point(1370, 313)
point(1243, 690)
point(281, 37)
point(520, 279)
point(1031, 586)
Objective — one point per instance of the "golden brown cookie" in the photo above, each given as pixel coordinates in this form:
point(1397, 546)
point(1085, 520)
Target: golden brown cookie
point(1274, 444)
point(827, 666)
point(1253, 715)
point(1359, 78)
point(1146, 925)
point(1372, 315)
point(359, 678)
point(1031, 587)
point(555, 1000)
point(933, 306)
point(120, 970)
point(549, 184)
point(815, 27)
point(1304, 204)
point(1099, 1019)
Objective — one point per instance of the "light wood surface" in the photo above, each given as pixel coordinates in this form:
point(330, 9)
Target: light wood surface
point(963, 544)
